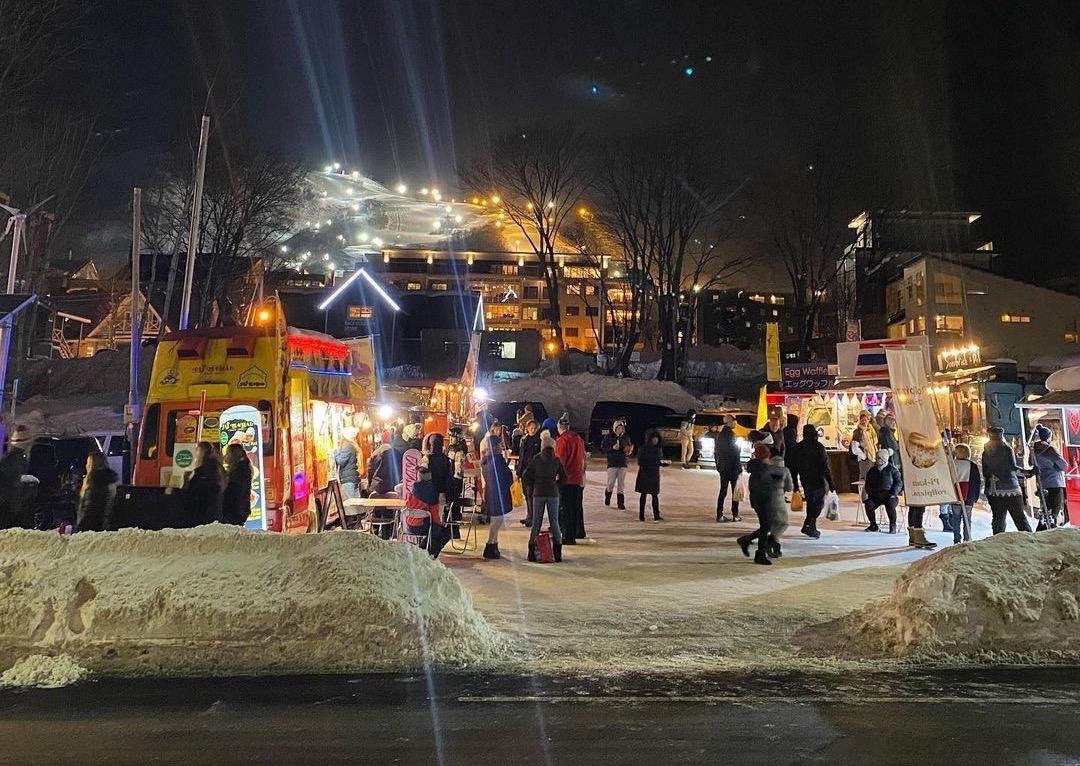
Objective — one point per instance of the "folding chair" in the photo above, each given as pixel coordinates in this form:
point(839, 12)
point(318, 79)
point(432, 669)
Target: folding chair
point(414, 526)
point(463, 520)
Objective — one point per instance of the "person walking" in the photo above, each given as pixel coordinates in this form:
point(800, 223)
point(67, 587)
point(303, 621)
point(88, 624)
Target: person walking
point(791, 432)
point(96, 498)
point(999, 470)
point(546, 475)
point(236, 499)
point(1049, 469)
point(528, 448)
point(770, 481)
point(616, 447)
point(202, 493)
point(773, 429)
point(808, 463)
point(970, 483)
point(648, 476)
point(497, 480)
point(887, 439)
point(883, 487)
point(570, 449)
point(728, 458)
point(864, 447)
point(347, 461)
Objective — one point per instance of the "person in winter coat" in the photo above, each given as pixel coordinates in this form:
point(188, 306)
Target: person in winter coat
point(970, 481)
point(497, 480)
point(12, 467)
point(770, 481)
point(887, 439)
point(528, 448)
point(883, 488)
point(1049, 468)
point(648, 475)
point(347, 459)
point(864, 446)
point(236, 499)
point(545, 475)
point(96, 499)
point(999, 472)
point(439, 465)
point(773, 429)
point(686, 439)
point(791, 433)
point(202, 493)
point(570, 449)
point(616, 447)
point(384, 471)
point(809, 465)
point(728, 458)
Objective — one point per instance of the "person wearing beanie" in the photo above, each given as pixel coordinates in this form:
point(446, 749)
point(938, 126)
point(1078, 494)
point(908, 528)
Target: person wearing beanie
point(883, 488)
point(1049, 469)
point(570, 449)
point(1003, 491)
point(769, 483)
point(648, 476)
point(545, 474)
point(617, 447)
point(809, 466)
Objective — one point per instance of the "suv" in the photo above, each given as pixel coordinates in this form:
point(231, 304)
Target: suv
point(59, 464)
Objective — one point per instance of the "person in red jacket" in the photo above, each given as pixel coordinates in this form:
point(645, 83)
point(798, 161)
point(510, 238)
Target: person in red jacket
point(570, 449)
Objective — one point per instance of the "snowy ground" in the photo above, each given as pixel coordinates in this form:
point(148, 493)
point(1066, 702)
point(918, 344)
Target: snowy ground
point(679, 596)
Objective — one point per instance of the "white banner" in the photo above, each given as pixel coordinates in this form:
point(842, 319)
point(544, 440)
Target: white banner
point(927, 472)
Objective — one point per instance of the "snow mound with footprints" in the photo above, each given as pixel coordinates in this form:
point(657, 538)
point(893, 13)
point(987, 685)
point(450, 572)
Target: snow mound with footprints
point(220, 600)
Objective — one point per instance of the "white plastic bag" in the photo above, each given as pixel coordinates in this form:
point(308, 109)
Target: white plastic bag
point(832, 507)
point(741, 490)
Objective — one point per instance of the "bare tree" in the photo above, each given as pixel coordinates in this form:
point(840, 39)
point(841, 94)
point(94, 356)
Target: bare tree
point(709, 268)
point(36, 39)
point(539, 177)
point(807, 238)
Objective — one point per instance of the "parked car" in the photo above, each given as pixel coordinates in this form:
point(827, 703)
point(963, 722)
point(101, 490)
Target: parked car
point(640, 418)
point(117, 450)
point(59, 464)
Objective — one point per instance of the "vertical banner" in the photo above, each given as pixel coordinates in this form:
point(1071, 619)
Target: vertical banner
point(410, 471)
point(362, 383)
point(772, 351)
point(928, 476)
point(853, 330)
point(242, 424)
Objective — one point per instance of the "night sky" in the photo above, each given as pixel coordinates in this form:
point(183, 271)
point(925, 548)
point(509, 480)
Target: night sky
point(962, 105)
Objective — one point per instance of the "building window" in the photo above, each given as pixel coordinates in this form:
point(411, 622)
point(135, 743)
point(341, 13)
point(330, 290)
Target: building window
point(757, 298)
point(439, 286)
point(1072, 336)
point(413, 286)
point(532, 293)
point(592, 311)
point(949, 323)
point(573, 288)
point(920, 290)
point(1008, 318)
point(570, 332)
point(775, 313)
point(573, 311)
point(916, 326)
point(545, 314)
point(589, 289)
point(530, 313)
point(581, 272)
point(507, 269)
point(776, 300)
point(948, 290)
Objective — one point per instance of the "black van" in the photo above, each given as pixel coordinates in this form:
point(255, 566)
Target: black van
point(59, 464)
point(640, 418)
point(506, 412)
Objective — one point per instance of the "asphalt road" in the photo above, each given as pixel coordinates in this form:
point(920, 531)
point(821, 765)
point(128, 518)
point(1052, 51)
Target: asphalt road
point(1010, 716)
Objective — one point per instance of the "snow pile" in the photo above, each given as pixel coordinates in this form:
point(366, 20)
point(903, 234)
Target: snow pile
point(43, 672)
point(1011, 594)
point(578, 394)
point(219, 599)
point(738, 380)
point(69, 416)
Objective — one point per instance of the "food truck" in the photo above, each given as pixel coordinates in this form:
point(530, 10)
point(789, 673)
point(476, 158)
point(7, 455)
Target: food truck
point(284, 394)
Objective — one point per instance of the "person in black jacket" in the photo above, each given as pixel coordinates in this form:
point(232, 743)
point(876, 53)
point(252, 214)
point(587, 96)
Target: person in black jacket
point(728, 458)
point(202, 494)
point(528, 448)
point(384, 470)
point(442, 470)
point(883, 488)
point(773, 428)
point(648, 475)
point(791, 432)
point(545, 475)
point(616, 447)
point(96, 498)
point(809, 465)
point(236, 499)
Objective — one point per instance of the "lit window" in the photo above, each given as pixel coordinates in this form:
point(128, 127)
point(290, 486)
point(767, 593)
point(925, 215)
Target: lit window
point(581, 272)
point(1072, 337)
point(949, 323)
point(573, 311)
point(509, 270)
point(1008, 318)
point(775, 313)
point(413, 286)
point(757, 298)
point(530, 313)
point(916, 326)
point(439, 286)
point(572, 289)
point(570, 332)
point(948, 289)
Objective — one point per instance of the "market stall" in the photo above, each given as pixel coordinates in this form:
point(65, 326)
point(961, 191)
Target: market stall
point(1060, 412)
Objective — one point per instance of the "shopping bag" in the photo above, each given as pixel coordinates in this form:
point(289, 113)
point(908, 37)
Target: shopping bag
point(796, 501)
point(742, 487)
point(517, 494)
point(544, 552)
point(832, 507)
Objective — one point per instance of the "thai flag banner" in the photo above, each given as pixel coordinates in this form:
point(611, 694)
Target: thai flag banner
point(865, 359)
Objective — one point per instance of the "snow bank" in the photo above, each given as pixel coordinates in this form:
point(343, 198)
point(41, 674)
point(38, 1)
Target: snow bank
point(578, 394)
point(1011, 594)
point(43, 672)
point(68, 416)
point(218, 600)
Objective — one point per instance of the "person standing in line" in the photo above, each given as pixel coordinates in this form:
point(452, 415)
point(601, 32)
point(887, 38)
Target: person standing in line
point(570, 449)
point(202, 493)
point(528, 448)
point(686, 439)
point(497, 480)
point(728, 458)
point(347, 460)
point(999, 470)
point(864, 447)
point(384, 470)
point(791, 432)
point(775, 430)
point(96, 499)
point(546, 476)
point(970, 481)
point(617, 447)
point(236, 499)
point(887, 439)
point(769, 483)
point(440, 467)
point(883, 488)
point(648, 476)
point(809, 465)
point(1049, 469)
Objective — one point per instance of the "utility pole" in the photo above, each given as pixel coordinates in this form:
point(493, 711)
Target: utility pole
point(193, 231)
point(131, 412)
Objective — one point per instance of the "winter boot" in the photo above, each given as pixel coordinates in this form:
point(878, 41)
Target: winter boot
point(557, 551)
point(491, 551)
point(773, 550)
point(607, 498)
point(761, 557)
point(735, 512)
point(744, 544)
point(532, 551)
point(622, 501)
point(892, 527)
point(917, 538)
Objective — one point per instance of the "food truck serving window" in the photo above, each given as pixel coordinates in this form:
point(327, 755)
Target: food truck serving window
point(267, 413)
point(184, 421)
point(151, 421)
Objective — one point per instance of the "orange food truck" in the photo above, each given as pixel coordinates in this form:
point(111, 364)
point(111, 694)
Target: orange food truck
point(284, 394)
